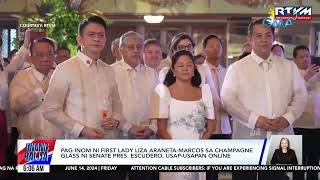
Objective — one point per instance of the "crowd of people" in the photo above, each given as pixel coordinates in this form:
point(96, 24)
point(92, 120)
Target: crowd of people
point(46, 94)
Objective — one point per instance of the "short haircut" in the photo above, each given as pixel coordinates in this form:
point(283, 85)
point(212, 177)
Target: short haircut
point(129, 34)
point(257, 22)
point(297, 48)
point(210, 36)
point(91, 19)
point(43, 40)
point(149, 42)
point(171, 79)
point(277, 45)
point(177, 38)
point(64, 48)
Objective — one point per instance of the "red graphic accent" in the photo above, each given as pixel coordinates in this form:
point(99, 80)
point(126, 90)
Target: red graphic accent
point(38, 141)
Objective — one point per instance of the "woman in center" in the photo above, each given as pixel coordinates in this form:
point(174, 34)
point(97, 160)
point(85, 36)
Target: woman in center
point(185, 109)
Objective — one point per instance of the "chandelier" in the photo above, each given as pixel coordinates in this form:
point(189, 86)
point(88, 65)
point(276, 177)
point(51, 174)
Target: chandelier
point(259, 3)
point(168, 3)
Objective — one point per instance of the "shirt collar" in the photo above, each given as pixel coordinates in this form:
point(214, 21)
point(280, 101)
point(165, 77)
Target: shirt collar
point(259, 60)
point(86, 59)
point(213, 67)
point(127, 67)
point(37, 74)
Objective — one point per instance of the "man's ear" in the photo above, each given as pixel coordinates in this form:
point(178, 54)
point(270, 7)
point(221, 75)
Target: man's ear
point(121, 49)
point(79, 40)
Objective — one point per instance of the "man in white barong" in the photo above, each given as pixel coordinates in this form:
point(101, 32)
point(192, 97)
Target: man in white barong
point(264, 93)
point(82, 97)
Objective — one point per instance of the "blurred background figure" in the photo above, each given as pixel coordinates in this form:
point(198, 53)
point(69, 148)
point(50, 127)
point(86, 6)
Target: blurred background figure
point(247, 47)
point(199, 59)
point(308, 124)
point(152, 54)
point(10, 69)
point(115, 49)
point(278, 50)
point(63, 53)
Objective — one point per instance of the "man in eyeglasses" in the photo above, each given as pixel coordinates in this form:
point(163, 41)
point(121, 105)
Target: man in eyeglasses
point(82, 97)
point(28, 88)
point(136, 83)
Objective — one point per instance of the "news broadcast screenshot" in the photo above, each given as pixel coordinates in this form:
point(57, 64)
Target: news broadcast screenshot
point(159, 89)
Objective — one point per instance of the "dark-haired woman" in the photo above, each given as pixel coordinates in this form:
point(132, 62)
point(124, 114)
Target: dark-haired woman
point(185, 108)
point(283, 155)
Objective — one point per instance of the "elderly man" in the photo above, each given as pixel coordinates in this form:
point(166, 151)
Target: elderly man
point(136, 83)
point(63, 53)
point(115, 49)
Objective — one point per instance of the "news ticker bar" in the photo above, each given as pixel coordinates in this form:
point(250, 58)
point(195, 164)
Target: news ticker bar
point(34, 168)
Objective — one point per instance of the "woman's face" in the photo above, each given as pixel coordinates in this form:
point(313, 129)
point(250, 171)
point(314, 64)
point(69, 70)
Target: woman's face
point(184, 68)
point(284, 144)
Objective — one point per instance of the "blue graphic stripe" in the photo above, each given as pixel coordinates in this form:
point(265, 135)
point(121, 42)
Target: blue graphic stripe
point(263, 148)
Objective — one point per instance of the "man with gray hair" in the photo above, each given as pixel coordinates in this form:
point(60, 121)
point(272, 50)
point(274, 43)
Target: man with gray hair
point(115, 49)
point(136, 83)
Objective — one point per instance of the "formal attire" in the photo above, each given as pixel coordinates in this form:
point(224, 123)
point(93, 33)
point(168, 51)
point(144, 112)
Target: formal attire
point(271, 88)
point(215, 77)
point(79, 91)
point(256, 87)
point(223, 126)
point(26, 101)
point(184, 123)
point(5, 125)
point(308, 125)
point(136, 86)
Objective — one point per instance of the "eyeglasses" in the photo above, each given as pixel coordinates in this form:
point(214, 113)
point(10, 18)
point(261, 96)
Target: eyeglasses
point(132, 47)
point(43, 55)
point(93, 35)
point(182, 47)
